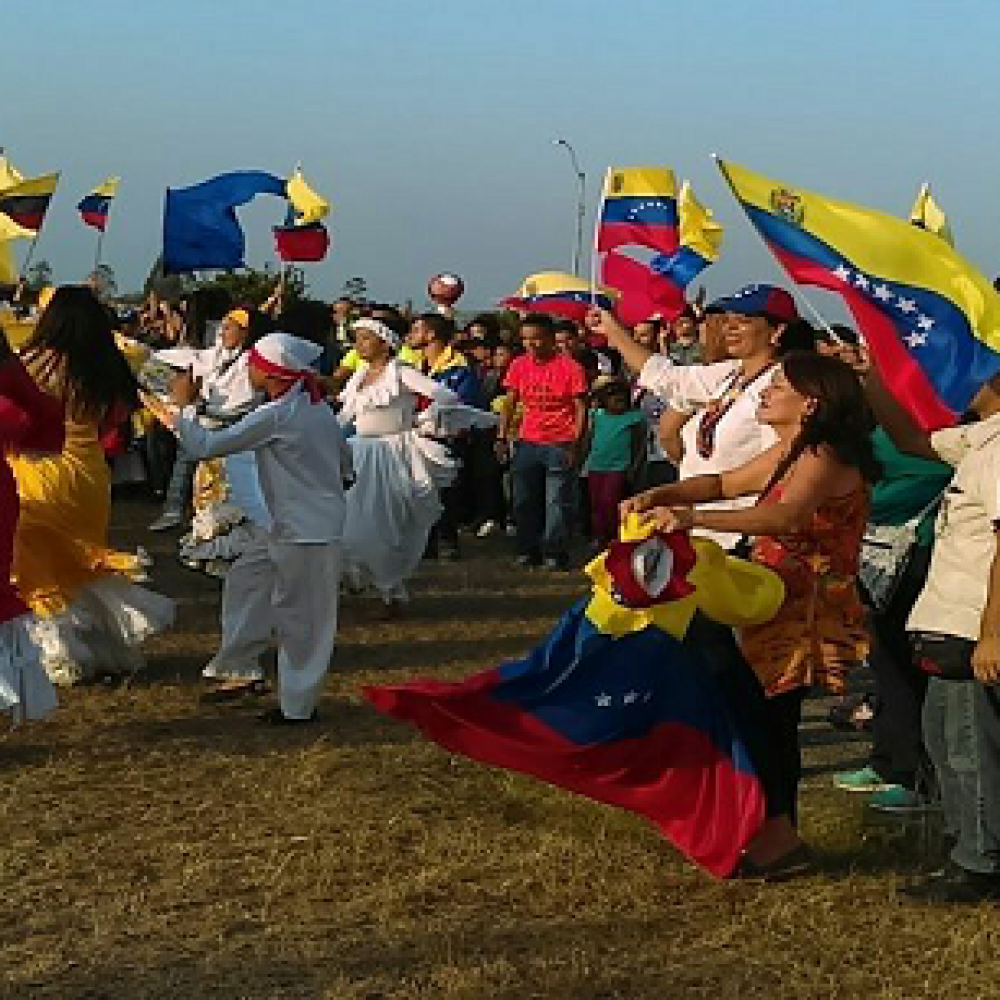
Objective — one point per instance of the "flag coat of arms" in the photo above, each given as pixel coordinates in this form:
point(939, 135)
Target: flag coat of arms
point(930, 319)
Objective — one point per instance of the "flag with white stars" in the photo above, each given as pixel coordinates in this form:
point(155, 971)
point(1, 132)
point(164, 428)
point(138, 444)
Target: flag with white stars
point(615, 705)
point(638, 208)
point(930, 319)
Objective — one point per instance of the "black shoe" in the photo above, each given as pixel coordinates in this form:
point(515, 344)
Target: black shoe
point(221, 693)
point(275, 717)
point(955, 884)
point(527, 561)
point(798, 861)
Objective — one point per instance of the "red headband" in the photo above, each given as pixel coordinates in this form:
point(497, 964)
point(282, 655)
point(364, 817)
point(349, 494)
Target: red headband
point(307, 378)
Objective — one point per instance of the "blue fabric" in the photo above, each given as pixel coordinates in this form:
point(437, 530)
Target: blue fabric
point(200, 228)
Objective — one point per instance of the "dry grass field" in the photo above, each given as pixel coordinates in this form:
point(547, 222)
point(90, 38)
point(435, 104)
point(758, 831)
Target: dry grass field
point(153, 847)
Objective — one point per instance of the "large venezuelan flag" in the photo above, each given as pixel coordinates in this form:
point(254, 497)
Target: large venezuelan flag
point(559, 294)
point(615, 705)
point(931, 320)
point(94, 207)
point(25, 203)
point(638, 207)
point(643, 293)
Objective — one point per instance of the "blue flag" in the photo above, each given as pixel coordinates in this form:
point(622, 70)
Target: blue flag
point(200, 228)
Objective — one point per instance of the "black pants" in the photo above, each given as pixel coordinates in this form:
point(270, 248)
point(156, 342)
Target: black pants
point(160, 449)
point(487, 500)
point(898, 753)
point(769, 727)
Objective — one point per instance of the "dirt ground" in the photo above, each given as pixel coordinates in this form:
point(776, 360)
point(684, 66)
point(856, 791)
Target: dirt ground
point(151, 846)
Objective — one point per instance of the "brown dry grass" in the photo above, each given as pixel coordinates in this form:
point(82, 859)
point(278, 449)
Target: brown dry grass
point(154, 847)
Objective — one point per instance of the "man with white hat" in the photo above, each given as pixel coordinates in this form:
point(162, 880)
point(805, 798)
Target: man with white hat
point(304, 466)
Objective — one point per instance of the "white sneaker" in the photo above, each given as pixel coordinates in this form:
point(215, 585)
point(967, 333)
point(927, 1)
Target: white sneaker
point(167, 520)
point(511, 530)
point(487, 528)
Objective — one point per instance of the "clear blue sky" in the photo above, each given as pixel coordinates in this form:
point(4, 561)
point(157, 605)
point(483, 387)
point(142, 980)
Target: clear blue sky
point(429, 124)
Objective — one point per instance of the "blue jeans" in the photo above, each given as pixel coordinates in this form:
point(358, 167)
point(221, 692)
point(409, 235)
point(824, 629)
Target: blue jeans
point(961, 723)
point(179, 487)
point(543, 498)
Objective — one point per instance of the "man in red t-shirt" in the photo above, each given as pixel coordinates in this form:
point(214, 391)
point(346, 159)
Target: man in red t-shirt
point(549, 388)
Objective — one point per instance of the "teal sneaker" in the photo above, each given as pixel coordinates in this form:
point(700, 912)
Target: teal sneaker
point(897, 799)
point(865, 780)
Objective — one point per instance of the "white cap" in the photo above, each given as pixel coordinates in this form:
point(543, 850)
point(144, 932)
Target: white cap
point(283, 351)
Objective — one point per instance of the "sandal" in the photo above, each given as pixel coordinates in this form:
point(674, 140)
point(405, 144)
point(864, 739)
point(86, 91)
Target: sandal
point(233, 692)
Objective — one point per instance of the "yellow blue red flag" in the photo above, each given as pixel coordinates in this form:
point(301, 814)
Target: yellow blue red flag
point(638, 208)
point(931, 320)
point(559, 294)
point(94, 207)
point(23, 205)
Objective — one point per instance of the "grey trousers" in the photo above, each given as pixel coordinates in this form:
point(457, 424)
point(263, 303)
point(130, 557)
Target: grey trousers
point(961, 724)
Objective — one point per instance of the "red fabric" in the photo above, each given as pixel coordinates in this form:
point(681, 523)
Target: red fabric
point(700, 802)
point(644, 293)
point(904, 379)
point(549, 391)
point(292, 375)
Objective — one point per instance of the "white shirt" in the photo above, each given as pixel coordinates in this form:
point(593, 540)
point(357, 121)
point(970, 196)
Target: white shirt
point(388, 404)
point(739, 437)
point(954, 596)
point(302, 459)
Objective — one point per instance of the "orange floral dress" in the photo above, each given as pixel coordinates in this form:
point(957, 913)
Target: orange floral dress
point(819, 633)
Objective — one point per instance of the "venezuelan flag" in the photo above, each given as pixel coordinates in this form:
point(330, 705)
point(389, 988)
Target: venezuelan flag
point(638, 207)
point(559, 294)
point(615, 705)
point(931, 320)
point(25, 203)
point(94, 207)
point(700, 239)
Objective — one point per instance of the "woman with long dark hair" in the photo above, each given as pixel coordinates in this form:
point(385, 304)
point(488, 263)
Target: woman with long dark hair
point(814, 490)
point(90, 616)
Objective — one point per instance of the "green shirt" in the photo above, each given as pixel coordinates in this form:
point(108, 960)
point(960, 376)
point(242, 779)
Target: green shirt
point(611, 445)
point(907, 486)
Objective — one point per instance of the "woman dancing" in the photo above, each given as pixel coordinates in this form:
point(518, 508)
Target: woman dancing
point(395, 502)
point(90, 616)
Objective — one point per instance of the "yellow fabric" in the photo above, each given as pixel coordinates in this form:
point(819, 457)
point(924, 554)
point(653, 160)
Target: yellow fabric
point(108, 188)
point(558, 283)
point(8, 266)
point(448, 358)
point(635, 182)
point(61, 540)
point(730, 591)
point(351, 360)
point(42, 185)
point(309, 206)
point(409, 356)
point(927, 214)
point(698, 229)
point(9, 174)
point(17, 331)
point(136, 355)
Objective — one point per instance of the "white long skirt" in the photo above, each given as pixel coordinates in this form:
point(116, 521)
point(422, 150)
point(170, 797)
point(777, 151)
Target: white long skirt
point(25, 689)
point(101, 630)
point(392, 507)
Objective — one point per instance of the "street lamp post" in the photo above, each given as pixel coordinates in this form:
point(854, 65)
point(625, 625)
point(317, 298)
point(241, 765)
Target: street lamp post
point(581, 203)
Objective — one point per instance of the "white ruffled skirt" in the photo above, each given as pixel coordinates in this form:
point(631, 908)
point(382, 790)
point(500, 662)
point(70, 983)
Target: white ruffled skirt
point(100, 631)
point(391, 508)
point(25, 689)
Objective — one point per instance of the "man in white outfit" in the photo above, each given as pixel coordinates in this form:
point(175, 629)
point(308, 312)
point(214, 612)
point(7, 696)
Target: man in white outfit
point(304, 466)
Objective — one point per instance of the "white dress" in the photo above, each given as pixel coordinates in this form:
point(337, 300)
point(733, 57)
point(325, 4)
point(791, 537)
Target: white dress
point(394, 502)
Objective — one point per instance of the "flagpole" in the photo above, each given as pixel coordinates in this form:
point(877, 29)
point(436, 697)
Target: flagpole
point(97, 252)
point(31, 253)
point(796, 287)
point(597, 233)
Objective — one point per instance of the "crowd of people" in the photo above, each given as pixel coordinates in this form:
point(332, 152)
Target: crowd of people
point(298, 457)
